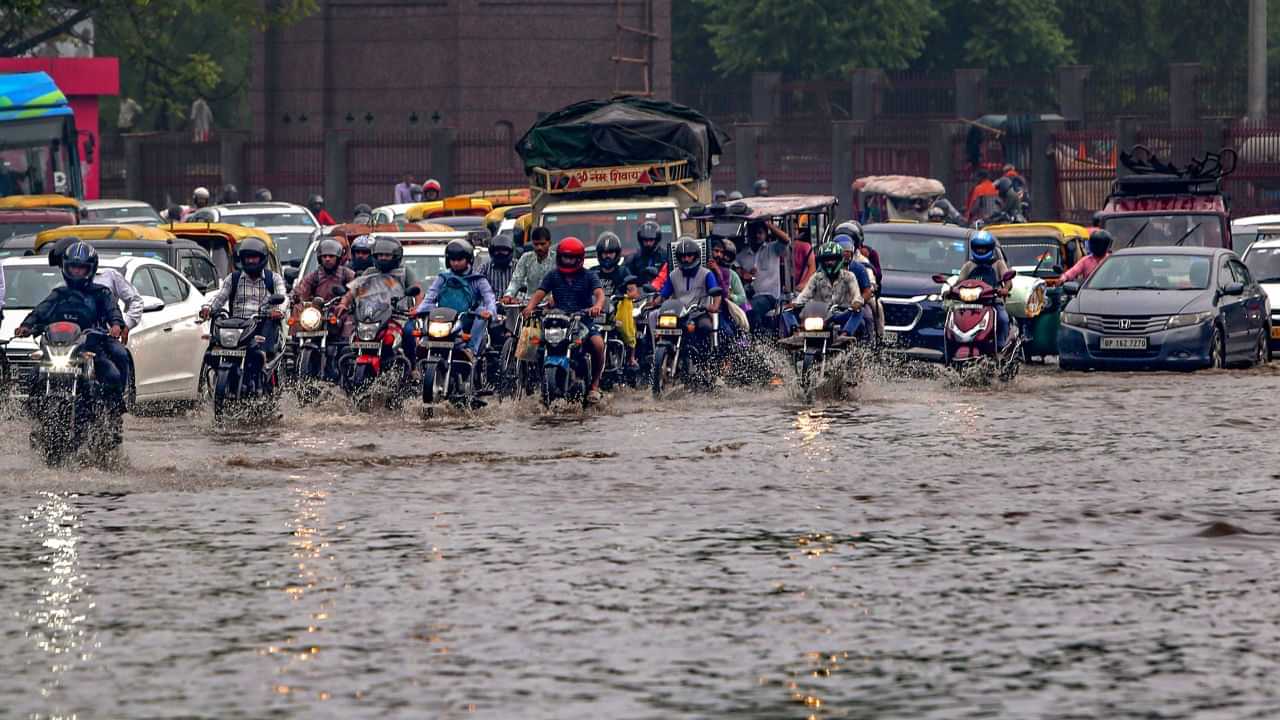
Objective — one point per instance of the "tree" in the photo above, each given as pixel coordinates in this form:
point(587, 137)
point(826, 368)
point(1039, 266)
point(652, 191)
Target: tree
point(1022, 34)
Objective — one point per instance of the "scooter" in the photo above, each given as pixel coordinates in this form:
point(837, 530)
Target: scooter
point(65, 401)
point(970, 331)
point(231, 340)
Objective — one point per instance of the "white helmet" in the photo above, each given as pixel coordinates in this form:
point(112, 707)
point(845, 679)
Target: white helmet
point(201, 192)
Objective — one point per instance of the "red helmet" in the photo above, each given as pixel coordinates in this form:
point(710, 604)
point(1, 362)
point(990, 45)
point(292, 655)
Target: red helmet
point(432, 185)
point(570, 253)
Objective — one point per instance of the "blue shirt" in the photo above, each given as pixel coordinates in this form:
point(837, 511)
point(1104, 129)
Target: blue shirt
point(860, 271)
point(668, 287)
point(573, 292)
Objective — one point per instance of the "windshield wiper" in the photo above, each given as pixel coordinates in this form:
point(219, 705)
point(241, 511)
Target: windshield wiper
point(1269, 280)
point(1129, 287)
point(1036, 271)
point(1184, 237)
point(1134, 239)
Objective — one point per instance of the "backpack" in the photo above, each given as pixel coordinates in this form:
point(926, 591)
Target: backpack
point(267, 277)
point(456, 293)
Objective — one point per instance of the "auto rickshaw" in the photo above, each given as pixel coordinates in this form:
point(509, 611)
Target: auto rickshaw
point(449, 207)
point(503, 198)
point(494, 220)
point(1043, 251)
point(220, 239)
point(895, 198)
point(102, 232)
point(40, 202)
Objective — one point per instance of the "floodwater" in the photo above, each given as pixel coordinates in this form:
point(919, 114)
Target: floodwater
point(1071, 546)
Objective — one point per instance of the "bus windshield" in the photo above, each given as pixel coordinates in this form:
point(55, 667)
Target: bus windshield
point(36, 159)
point(1156, 230)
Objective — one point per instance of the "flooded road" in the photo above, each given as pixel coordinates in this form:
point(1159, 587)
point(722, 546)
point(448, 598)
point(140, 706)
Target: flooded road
point(1071, 546)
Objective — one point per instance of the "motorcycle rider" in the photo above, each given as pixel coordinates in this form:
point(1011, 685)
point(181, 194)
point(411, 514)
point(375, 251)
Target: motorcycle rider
point(431, 190)
point(619, 284)
point(315, 204)
point(199, 199)
point(321, 282)
point(465, 291)
point(574, 290)
point(1099, 243)
point(362, 214)
point(760, 188)
point(985, 264)
point(245, 291)
point(532, 267)
point(761, 265)
point(361, 254)
point(853, 229)
point(122, 290)
point(647, 263)
point(691, 284)
point(387, 256)
point(499, 268)
point(832, 285)
point(723, 254)
point(90, 305)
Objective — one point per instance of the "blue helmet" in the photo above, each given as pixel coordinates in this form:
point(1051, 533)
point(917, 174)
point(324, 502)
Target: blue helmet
point(843, 241)
point(79, 254)
point(982, 247)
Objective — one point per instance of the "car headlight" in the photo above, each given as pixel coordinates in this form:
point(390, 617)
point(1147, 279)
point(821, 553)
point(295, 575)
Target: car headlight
point(1189, 319)
point(970, 294)
point(554, 336)
point(814, 324)
point(668, 321)
point(228, 338)
point(1075, 319)
point(439, 328)
point(310, 319)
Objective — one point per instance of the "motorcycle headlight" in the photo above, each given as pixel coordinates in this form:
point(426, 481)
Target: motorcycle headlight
point(668, 321)
point(438, 329)
point(368, 331)
point(60, 361)
point(1189, 319)
point(1074, 319)
point(554, 336)
point(228, 337)
point(814, 324)
point(970, 294)
point(310, 319)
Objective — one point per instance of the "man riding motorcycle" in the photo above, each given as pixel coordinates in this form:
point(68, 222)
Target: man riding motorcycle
point(985, 265)
point(532, 267)
point(464, 291)
point(619, 284)
point(575, 290)
point(691, 284)
point(90, 305)
point(315, 204)
point(123, 291)
point(854, 230)
point(499, 268)
point(647, 263)
point(831, 285)
point(245, 291)
point(361, 254)
point(321, 282)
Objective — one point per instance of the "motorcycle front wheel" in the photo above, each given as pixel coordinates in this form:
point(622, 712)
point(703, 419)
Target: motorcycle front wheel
point(223, 390)
point(658, 376)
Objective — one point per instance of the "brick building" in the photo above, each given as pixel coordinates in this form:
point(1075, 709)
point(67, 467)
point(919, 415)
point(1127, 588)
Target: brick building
point(475, 63)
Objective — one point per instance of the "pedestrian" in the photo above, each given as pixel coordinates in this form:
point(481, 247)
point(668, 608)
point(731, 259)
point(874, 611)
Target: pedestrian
point(404, 191)
point(201, 120)
point(983, 197)
point(128, 117)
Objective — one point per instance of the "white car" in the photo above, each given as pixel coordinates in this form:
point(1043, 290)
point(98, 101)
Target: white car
point(391, 214)
point(292, 227)
point(1263, 260)
point(123, 212)
point(168, 344)
point(423, 253)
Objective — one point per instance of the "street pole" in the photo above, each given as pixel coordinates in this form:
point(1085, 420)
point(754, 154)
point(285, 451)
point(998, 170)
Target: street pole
point(1257, 62)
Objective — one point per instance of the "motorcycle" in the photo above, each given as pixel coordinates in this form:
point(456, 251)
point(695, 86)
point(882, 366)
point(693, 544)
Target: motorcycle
point(970, 331)
point(615, 351)
point(447, 374)
point(566, 364)
point(376, 348)
point(64, 401)
point(502, 364)
point(316, 344)
point(231, 339)
point(678, 355)
point(818, 343)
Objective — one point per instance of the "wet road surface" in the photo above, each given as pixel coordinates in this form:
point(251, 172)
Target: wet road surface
point(1071, 546)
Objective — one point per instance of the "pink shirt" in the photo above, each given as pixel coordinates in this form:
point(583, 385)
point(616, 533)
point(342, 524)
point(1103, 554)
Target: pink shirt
point(1083, 269)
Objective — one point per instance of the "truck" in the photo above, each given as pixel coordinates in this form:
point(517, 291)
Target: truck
point(39, 153)
point(612, 165)
point(1164, 204)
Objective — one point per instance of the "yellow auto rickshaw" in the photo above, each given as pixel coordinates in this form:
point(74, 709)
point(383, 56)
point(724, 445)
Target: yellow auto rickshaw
point(220, 239)
point(41, 202)
point(503, 198)
point(493, 221)
point(1043, 250)
point(449, 207)
point(102, 232)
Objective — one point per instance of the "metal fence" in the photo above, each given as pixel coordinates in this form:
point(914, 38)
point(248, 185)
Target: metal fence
point(172, 165)
point(486, 159)
point(795, 159)
point(1085, 164)
point(292, 167)
point(376, 163)
point(1254, 188)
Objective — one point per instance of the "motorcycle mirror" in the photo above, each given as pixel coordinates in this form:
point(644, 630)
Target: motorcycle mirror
point(413, 292)
point(717, 292)
point(340, 291)
point(940, 278)
point(1070, 288)
point(275, 300)
point(1009, 275)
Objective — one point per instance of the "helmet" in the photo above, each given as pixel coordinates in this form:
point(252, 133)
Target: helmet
point(252, 255)
point(201, 193)
point(570, 254)
point(59, 248)
point(460, 249)
point(609, 243)
point(362, 209)
point(329, 247)
point(230, 194)
point(719, 196)
point(1003, 185)
point(362, 244)
point(262, 195)
point(982, 247)
point(650, 230)
point(853, 230)
point(1097, 219)
point(502, 248)
point(831, 259)
point(729, 249)
point(936, 215)
point(844, 242)
point(1099, 242)
point(760, 187)
point(387, 246)
point(79, 254)
point(686, 248)
point(432, 184)
point(735, 195)
point(315, 201)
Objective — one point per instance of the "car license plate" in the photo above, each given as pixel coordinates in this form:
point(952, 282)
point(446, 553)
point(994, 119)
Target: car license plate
point(227, 353)
point(1124, 343)
point(890, 338)
point(358, 345)
point(1275, 333)
point(662, 331)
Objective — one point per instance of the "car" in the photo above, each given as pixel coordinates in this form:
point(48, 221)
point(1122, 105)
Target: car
point(392, 214)
point(910, 255)
point(187, 256)
point(17, 246)
point(1166, 307)
point(423, 253)
point(1263, 261)
point(293, 227)
point(1247, 230)
point(128, 212)
point(167, 346)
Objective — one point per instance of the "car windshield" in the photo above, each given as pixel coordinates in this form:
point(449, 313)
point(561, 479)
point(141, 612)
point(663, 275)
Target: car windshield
point(140, 213)
point(25, 286)
point(587, 226)
point(291, 247)
point(1163, 230)
point(917, 252)
point(1027, 253)
point(268, 220)
point(1264, 263)
point(1152, 272)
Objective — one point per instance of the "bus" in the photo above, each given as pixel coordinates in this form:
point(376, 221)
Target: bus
point(39, 154)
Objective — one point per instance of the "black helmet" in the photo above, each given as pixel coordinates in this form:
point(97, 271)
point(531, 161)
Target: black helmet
point(388, 246)
point(230, 195)
point(460, 250)
point(729, 249)
point(315, 201)
point(501, 248)
point(687, 248)
point(362, 209)
point(1003, 185)
point(608, 242)
point(59, 248)
point(79, 254)
point(329, 246)
point(252, 255)
point(1099, 242)
point(362, 244)
point(760, 187)
point(650, 230)
point(262, 195)
point(1097, 219)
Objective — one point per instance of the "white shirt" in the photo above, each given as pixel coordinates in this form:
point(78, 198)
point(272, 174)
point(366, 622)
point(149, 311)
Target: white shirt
point(125, 293)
